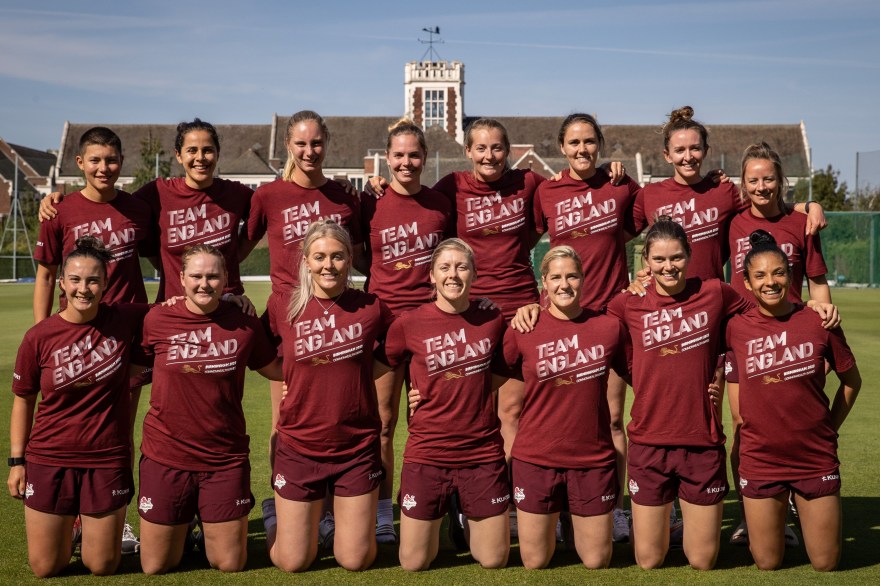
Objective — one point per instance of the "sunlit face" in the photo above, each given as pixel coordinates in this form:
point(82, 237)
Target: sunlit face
point(563, 285)
point(406, 159)
point(487, 153)
point(769, 278)
point(686, 153)
point(82, 282)
point(668, 262)
point(452, 275)
point(329, 263)
point(203, 280)
point(198, 155)
point(306, 147)
point(101, 165)
point(581, 147)
point(762, 185)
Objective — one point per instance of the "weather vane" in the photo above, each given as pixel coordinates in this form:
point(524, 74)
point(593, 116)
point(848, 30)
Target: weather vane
point(430, 42)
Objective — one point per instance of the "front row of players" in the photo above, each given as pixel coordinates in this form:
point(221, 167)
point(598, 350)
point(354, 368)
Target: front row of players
point(195, 449)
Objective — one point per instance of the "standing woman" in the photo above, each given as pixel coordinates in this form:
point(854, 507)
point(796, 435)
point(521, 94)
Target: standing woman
point(403, 227)
point(788, 440)
point(74, 458)
point(454, 443)
point(563, 455)
point(585, 210)
point(676, 444)
point(763, 186)
point(328, 429)
point(704, 208)
point(195, 443)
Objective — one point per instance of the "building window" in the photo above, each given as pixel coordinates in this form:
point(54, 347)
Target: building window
point(357, 181)
point(435, 109)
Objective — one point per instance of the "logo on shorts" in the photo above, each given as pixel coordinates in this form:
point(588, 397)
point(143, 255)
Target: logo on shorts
point(120, 491)
point(716, 489)
point(500, 499)
point(146, 503)
point(242, 502)
point(519, 494)
point(743, 483)
point(28, 490)
point(279, 481)
point(728, 367)
point(830, 477)
point(375, 474)
point(633, 486)
point(409, 501)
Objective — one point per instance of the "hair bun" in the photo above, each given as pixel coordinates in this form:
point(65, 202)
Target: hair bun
point(762, 239)
point(685, 113)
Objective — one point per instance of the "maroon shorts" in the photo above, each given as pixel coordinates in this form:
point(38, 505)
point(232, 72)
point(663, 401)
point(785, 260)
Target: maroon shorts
point(585, 492)
point(731, 370)
point(809, 488)
point(483, 490)
point(173, 497)
point(657, 474)
point(73, 491)
point(300, 478)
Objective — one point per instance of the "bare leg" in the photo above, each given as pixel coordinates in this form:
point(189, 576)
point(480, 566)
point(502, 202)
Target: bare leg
point(537, 538)
point(650, 534)
point(419, 542)
point(490, 540)
point(355, 543)
point(161, 546)
point(226, 544)
point(293, 545)
point(822, 527)
point(766, 519)
point(702, 533)
point(592, 539)
point(388, 388)
point(49, 541)
point(102, 541)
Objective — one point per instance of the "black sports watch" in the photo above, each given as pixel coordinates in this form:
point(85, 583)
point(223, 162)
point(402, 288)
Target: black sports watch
point(15, 461)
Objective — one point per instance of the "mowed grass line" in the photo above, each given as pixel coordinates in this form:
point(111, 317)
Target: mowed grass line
point(861, 490)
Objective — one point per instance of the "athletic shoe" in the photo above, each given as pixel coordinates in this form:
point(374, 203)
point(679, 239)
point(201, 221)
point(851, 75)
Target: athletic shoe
point(565, 531)
point(740, 535)
point(385, 534)
point(130, 543)
point(194, 537)
point(456, 524)
point(269, 517)
point(327, 531)
point(620, 529)
point(676, 530)
point(76, 534)
point(791, 538)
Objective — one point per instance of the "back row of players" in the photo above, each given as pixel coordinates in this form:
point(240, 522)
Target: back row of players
point(329, 423)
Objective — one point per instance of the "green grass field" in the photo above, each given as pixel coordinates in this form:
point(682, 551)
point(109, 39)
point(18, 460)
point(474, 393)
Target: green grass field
point(858, 451)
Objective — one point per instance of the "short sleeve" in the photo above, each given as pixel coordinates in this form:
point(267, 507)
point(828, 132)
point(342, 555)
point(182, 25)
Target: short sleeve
point(639, 218)
point(538, 211)
point(257, 222)
point(50, 242)
point(263, 351)
point(617, 306)
point(26, 376)
point(733, 301)
point(814, 261)
point(622, 361)
point(838, 352)
point(395, 344)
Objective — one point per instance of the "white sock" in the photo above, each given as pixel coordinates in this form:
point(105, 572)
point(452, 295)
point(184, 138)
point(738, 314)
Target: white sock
point(385, 512)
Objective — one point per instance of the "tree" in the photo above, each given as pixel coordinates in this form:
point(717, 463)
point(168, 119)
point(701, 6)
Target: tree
point(867, 199)
point(151, 148)
point(826, 190)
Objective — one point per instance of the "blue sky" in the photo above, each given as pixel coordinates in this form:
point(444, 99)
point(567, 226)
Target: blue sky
point(629, 61)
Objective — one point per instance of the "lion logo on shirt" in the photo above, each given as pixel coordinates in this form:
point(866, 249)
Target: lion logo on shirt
point(402, 266)
point(190, 370)
point(669, 351)
point(453, 375)
point(564, 381)
point(491, 231)
point(579, 234)
point(409, 501)
point(84, 383)
point(145, 504)
point(317, 360)
point(769, 380)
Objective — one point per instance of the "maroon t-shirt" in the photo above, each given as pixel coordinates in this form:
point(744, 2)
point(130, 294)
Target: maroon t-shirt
point(565, 421)
point(496, 220)
point(285, 210)
point(330, 411)
point(403, 233)
point(195, 421)
point(704, 210)
point(804, 252)
point(676, 341)
point(592, 217)
point(786, 432)
point(188, 216)
point(124, 225)
point(81, 372)
point(455, 424)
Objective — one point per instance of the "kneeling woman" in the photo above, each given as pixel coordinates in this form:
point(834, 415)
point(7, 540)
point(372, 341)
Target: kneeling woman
point(788, 439)
point(195, 445)
point(75, 457)
point(455, 442)
point(328, 428)
point(563, 456)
